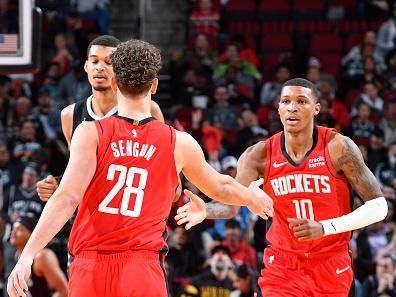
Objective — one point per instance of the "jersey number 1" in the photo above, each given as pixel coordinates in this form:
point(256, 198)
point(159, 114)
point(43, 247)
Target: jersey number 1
point(304, 209)
point(125, 178)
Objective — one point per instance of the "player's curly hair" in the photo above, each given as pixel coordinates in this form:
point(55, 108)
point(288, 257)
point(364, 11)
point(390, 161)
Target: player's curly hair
point(135, 65)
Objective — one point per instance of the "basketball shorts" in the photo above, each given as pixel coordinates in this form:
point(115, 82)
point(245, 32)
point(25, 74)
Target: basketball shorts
point(292, 275)
point(123, 274)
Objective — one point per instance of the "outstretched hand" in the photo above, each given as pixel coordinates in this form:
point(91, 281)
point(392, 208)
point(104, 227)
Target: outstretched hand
point(305, 229)
point(192, 213)
point(262, 205)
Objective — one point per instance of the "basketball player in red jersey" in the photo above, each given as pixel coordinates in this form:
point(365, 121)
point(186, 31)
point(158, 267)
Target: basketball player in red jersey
point(101, 104)
point(122, 175)
point(306, 171)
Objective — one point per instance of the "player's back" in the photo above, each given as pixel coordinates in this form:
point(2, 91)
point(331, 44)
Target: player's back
point(129, 198)
point(311, 189)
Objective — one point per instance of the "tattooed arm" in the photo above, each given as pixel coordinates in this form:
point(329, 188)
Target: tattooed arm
point(251, 166)
point(347, 159)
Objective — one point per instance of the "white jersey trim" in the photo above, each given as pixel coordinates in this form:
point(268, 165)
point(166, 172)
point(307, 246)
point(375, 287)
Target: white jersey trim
point(94, 115)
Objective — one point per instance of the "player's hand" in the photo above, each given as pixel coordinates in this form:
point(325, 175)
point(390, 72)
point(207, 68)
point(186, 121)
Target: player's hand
point(46, 187)
point(261, 204)
point(305, 229)
point(193, 212)
point(16, 286)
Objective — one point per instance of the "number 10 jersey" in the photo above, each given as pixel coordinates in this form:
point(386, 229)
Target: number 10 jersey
point(128, 201)
point(311, 189)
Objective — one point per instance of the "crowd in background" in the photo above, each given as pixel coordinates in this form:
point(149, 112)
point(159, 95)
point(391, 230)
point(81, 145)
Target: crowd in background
point(226, 96)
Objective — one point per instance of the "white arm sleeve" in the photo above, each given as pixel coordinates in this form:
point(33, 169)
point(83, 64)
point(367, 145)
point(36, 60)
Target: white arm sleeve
point(372, 211)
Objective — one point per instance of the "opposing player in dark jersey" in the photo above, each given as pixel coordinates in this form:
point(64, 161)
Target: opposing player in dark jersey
point(122, 174)
point(306, 171)
point(101, 104)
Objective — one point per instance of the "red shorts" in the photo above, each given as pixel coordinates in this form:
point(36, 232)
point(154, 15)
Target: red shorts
point(290, 275)
point(124, 274)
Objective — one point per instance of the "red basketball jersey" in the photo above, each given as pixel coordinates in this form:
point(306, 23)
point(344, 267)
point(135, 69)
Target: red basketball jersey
point(311, 189)
point(129, 198)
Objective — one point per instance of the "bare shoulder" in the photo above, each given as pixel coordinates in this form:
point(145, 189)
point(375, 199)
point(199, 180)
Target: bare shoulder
point(251, 163)
point(255, 156)
point(67, 112)
point(348, 160)
point(86, 129)
point(67, 121)
point(344, 152)
point(185, 147)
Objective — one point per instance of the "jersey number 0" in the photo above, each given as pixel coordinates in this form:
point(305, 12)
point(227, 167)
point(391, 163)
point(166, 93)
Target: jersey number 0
point(125, 178)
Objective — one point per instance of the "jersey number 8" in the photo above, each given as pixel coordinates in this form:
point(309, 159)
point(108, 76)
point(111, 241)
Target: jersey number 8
point(125, 178)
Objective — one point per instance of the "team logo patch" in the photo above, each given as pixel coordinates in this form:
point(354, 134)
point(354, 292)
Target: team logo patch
point(134, 133)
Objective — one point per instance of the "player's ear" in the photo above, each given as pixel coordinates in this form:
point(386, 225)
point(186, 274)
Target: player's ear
point(113, 84)
point(154, 86)
point(317, 108)
point(86, 67)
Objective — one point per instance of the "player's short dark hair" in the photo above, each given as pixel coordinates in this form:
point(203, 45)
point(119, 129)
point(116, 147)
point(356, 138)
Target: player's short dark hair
point(104, 40)
point(135, 63)
point(232, 224)
point(302, 82)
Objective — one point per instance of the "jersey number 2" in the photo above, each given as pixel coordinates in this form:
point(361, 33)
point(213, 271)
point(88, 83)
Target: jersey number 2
point(304, 209)
point(125, 178)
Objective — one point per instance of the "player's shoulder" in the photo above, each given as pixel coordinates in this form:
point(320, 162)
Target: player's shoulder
point(68, 110)
point(257, 151)
point(337, 143)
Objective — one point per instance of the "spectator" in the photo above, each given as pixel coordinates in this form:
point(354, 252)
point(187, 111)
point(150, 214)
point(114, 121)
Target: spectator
point(241, 252)
point(245, 283)
point(4, 166)
point(376, 150)
point(390, 73)
point(337, 109)
point(222, 114)
point(385, 172)
point(361, 127)
point(383, 283)
point(372, 99)
point(184, 259)
point(47, 114)
point(353, 60)
point(205, 19)
point(271, 90)
point(47, 278)
point(21, 199)
point(387, 34)
point(245, 53)
point(388, 124)
point(215, 281)
point(250, 133)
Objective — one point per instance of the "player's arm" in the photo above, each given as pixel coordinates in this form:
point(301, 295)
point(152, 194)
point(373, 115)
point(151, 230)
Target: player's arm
point(250, 167)
point(67, 122)
point(348, 160)
point(156, 111)
point(47, 265)
point(223, 188)
point(75, 181)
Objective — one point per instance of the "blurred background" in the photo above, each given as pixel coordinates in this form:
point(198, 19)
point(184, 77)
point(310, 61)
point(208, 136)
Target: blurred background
point(224, 64)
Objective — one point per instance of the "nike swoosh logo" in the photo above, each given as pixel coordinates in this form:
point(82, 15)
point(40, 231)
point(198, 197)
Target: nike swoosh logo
point(277, 165)
point(339, 271)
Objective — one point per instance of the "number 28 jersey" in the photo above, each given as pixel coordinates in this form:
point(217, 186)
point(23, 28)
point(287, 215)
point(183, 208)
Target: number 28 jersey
point(311, 189)
point(129, 198)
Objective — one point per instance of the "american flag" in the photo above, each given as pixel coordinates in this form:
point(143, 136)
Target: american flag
point(8, 43)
